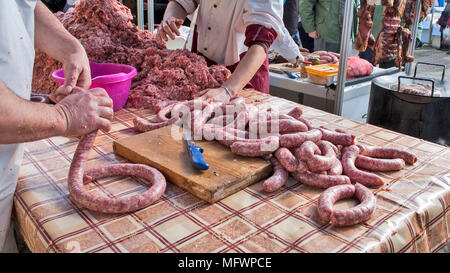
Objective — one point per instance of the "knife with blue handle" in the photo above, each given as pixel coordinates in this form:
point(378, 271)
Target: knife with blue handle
point(289, 74)
point(196, 154)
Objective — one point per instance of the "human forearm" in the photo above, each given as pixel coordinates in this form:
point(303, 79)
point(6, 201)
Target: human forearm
point(246, 68)
point(174, 10)
point(23, 121)
point(173, 19)
point(51, 36)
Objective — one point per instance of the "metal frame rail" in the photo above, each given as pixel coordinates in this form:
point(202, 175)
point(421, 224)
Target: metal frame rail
point(150, 14)
point(346, 40)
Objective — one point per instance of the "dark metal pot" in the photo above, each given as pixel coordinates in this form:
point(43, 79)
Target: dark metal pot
point(426, 117)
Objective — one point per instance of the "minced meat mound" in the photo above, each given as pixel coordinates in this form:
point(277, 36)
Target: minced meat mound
point(105, 30)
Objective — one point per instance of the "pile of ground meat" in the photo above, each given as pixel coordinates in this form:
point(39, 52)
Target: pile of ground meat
point(105, 30)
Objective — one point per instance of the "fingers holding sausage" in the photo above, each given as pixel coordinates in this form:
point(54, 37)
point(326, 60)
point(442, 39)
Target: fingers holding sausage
point(86, 110)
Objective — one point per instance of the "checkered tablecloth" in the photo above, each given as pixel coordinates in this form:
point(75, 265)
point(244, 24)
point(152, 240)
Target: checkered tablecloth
point(412, 216)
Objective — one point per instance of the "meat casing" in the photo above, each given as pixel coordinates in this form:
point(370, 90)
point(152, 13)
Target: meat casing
point(296, 112)
point(278, 178)
point(297, 139)
point(337, 138)
point(81, 196)
point(336, 168)
point(349, 155)
point(320, 180)
point(256, 148)
point(302, 167)
point(287, 159)
point(283, 125)
point(143, 125)
point(346, 217)
point(165, 113)
point(377, 164)
point(310, 152)
point(384, 152)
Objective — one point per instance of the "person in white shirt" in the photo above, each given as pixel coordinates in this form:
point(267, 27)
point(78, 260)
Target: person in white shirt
point(234, 33)
point(24, 25)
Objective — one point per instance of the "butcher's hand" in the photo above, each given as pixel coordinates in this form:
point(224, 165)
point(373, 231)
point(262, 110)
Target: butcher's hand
point(85, 111)
point(77, 72)
point(169, 28)
point(214, 94)
point(298, 61)
point(314, 34)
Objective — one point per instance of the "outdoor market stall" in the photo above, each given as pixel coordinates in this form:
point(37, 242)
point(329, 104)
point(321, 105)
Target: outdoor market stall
point(410, 215)
point(346, 97)
point(412, 207)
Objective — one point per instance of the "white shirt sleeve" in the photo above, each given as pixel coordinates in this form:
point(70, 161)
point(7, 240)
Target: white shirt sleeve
point(268, 13)
point(287, 48)
point(189, 5)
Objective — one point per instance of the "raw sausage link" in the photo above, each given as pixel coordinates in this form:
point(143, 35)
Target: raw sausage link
point(301, 167)
point(256, 148)
point(81, 196)
point(227, 136)
point(198, 120)
point(349, 155)
point(143, 125)
point(164, 114)
point(328, 197)
point(320, 180)
point(184, 107)
point(296, 112)
point(222, 121)
point(336, 168)
point(308, 149)
point(360, 213)
point(240, 122)
point(287, 159)
point(306, 122)
point(319, 157)
point(337, 138)
point(279, 177)
point(384, 152)
point(283, 125)
point(230, 108)
point(297, 139)
point(376, 164)
point(229, 139)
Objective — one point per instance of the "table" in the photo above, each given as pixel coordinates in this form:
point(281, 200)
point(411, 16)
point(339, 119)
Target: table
point(412, 217)
point(356, 92)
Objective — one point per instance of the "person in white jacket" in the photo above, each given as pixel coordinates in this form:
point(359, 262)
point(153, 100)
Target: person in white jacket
point(24, 25)
point(287, 48)
point(234, 33)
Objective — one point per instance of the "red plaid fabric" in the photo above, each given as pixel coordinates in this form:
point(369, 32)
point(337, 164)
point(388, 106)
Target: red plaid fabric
point(412, 217)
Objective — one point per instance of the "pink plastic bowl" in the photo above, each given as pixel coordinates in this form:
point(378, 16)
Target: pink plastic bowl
point(114, 78)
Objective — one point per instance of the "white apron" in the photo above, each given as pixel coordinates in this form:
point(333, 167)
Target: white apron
point(16, 72)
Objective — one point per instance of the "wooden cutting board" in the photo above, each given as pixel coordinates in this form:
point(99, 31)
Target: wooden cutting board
point(276, 68)
point(228, 173)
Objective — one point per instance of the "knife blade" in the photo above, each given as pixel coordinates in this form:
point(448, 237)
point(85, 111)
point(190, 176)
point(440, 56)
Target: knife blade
point(195, 153)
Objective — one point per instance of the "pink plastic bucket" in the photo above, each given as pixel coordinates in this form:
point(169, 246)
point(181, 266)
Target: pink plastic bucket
point(114, 78)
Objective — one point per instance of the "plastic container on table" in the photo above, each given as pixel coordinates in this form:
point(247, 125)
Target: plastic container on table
point(114, 78)
point(323, 74)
